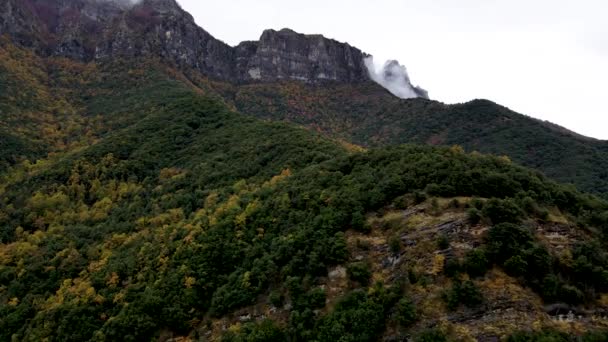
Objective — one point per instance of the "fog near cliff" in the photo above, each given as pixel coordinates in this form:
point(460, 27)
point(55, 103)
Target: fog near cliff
point(394, 78)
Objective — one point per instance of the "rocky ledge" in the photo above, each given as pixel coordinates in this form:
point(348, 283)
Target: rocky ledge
point(97, 30)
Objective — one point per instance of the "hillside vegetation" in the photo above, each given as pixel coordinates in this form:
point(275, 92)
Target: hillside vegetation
point(367, 115)
point(179, 217)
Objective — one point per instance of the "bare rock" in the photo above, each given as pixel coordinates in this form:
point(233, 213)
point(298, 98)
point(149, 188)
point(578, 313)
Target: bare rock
point(287, 55)
point(93, 30)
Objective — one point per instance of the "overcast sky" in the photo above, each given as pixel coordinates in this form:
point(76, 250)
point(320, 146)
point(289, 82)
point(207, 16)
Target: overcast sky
point(544, 58)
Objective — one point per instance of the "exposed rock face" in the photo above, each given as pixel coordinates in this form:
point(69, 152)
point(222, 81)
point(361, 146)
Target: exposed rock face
point(16, 20)
point(103, 29)
point(162, 28)
point(289, 55)
point(99, 30)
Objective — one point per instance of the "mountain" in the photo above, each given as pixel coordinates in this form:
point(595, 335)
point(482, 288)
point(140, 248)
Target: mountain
point(367, 115)
point(285, 54)
point(88, 30)
point(182, 218)
point(144, 199)
point(305, 79)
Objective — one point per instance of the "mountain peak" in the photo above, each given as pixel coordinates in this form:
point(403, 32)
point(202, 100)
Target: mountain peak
point(104, 29)
point(289, 55)
point(285, 31)
point(162, 5)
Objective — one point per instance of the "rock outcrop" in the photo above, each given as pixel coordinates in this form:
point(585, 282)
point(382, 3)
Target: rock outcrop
point(100, 30)
point(286, 54)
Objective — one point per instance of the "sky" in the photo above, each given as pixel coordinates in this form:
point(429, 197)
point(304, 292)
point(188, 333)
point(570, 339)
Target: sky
point(544, 58)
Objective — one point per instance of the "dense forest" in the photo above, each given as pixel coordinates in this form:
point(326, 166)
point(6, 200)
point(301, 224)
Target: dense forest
point(368, 115)
point(136, 204)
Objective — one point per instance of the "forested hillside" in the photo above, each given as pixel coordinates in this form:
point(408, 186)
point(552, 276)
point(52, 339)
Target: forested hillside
point(167, 213)
point(309, 80)
point(368, 115)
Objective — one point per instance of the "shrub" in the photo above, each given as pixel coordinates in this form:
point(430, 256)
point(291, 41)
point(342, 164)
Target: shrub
point(532, 262)
point(412, 276)
point(555, 336)
point(516, 266)
point(356, 317)
point(363, 245)
point(476, 263)
point(506, 239)
point(474, 215)
point(595, 336)
point(442, 190)
point(550, 288)
point(358, 222)
point(539, 261)
point(337, 250)
point(443, 242)
point(499, 211)
point(400, 203)
point(395, 245)
point(466, 293)
point(232, 295)
point(359, 272)
point(529, 205)
point(433, 335)
point(419, 197)
point(406, 312)
point(476, 203)
point(571, 294)
point(316, 298)
point(553, 289)
point(276, 298)
point(434, 209)
point(540, 336)
point(451, 267)
point(266, 331)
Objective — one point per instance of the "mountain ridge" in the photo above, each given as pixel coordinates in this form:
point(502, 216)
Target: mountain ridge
point(190, 220)
point(367, 115)
point(257, 70)
point(101, 30)
point(167, 205)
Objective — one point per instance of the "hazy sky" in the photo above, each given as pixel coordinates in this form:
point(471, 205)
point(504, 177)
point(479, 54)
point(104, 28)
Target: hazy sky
point(544, 58)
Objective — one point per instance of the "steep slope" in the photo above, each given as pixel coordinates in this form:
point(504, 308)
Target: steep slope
point(87, 30)
point(367, 115)
point(38, 114)
point(285, 54)
point(333, 92)
point(143, 200)
point(188, 219)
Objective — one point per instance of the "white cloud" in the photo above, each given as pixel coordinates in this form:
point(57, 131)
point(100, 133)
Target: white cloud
point(394, 78)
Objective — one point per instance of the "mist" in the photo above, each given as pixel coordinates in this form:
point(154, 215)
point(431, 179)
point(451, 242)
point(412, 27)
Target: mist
point(393, 76)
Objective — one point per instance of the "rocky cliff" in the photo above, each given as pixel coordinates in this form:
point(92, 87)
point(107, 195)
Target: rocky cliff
point(103, 29)
point(286, 54)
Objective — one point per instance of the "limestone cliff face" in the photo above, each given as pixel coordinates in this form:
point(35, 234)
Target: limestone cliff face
point(99, 30)
point(17, 21)
point(289, 55)
point(160, 28)
point(104, 29)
